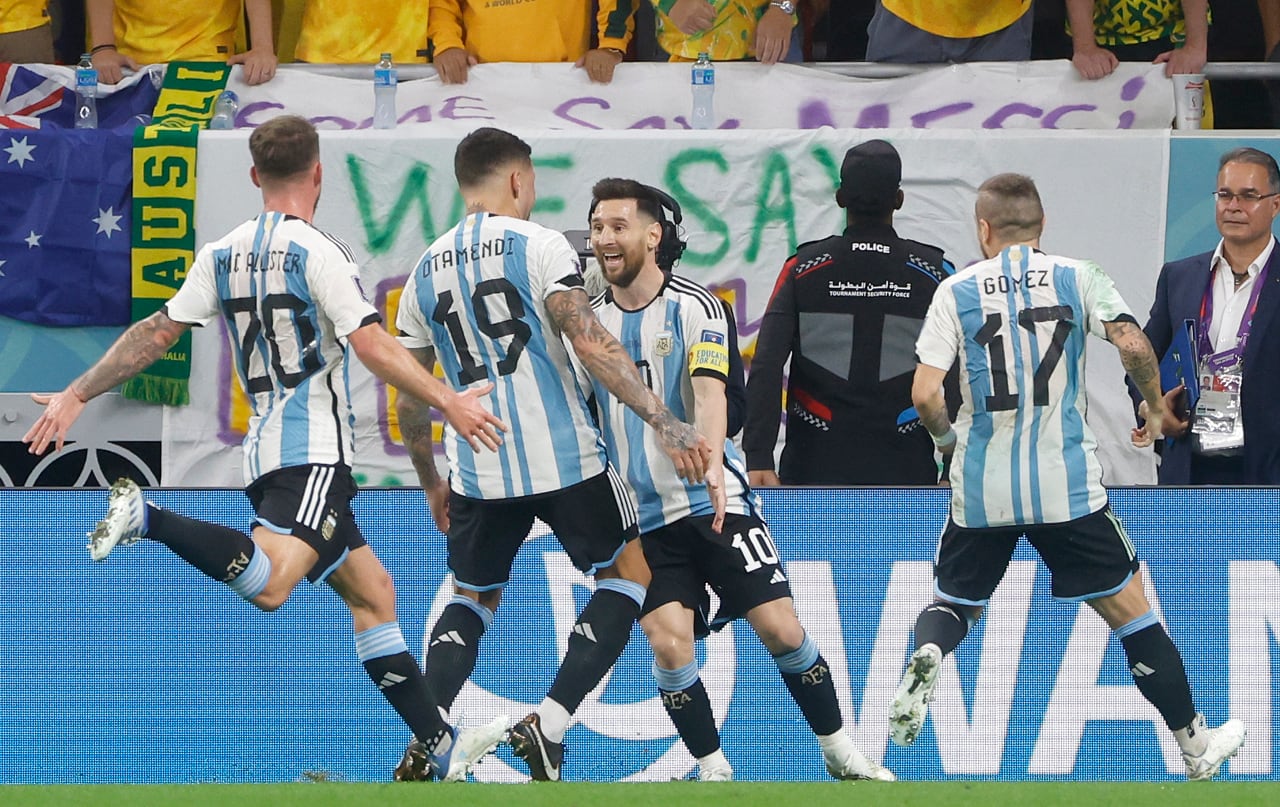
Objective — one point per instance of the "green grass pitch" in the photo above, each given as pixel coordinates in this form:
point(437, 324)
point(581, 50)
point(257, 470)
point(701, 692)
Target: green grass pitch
point(664, 794)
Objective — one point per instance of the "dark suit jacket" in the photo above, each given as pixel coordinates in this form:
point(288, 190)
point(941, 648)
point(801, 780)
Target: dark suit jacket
point(1178, 295)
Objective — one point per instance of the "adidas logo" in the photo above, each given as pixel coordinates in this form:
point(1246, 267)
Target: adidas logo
point(391, 679)
point(778, 577)
point(1141, 670)
point(452, 637)
point(584, 629)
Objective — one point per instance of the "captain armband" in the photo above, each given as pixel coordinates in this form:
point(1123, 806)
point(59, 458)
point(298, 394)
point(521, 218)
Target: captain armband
point(709, 357)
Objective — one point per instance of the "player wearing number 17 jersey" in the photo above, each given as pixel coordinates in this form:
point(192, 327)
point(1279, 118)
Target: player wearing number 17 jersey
point(1024, 459)
point(292, 304)
point(495, 300)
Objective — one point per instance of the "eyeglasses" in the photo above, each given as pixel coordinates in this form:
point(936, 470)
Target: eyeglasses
point(1246, 198)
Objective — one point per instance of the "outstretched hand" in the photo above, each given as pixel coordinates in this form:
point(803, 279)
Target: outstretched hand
point(468, 417)
point(688, 449)
point(61, 410)
point(1152, 428)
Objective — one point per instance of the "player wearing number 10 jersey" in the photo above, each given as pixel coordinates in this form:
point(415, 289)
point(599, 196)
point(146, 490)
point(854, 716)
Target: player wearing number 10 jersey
point(676, 332)
point(1024, 459)
point(495, 300)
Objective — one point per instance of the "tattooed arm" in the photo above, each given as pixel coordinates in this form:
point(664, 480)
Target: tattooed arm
point(1140, 363)
point(609, 363)
point(135, 350)
point(415, 431)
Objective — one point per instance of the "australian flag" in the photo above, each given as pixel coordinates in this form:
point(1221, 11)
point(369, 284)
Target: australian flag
point(65, 197)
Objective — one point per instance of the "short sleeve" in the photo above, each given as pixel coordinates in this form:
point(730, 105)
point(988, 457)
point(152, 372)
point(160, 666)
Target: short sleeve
point(335, 283)
point(1102, 303)
point(196, 302)
point(555, 264)
point(414, 332)
point(939, 341)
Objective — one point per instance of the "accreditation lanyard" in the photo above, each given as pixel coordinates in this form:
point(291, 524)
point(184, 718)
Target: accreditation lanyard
point(1205, 344)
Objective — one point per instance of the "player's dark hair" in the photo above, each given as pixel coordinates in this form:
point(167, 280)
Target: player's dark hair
point(1254, 157)
point(284, 147)
point(652, 202)
point(1010, 204)
point(484, 152)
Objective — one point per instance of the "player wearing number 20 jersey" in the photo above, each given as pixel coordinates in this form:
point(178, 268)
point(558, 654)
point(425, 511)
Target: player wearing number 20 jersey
point(1018, 323)
point(291, 295)
point(477, 297)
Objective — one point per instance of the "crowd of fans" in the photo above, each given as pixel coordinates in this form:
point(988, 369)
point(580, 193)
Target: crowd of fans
point(456, 34)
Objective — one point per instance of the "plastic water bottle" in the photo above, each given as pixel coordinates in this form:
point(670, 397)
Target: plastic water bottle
point(224, 111)
point(384, 94)
point(704, 91)
point(86, 93)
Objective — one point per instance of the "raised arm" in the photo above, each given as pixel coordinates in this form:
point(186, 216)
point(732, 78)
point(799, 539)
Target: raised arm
point(606, 360)
point(389, 360)
point(136, 350)
point(1140, 363)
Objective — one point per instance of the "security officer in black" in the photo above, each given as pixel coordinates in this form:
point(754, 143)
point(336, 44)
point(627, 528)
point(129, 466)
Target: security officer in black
point(847, 311)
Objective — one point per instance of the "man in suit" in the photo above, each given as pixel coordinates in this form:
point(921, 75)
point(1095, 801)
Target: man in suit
point(1232, 294)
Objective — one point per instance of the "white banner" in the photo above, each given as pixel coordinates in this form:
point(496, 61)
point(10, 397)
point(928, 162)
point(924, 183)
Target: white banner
point(645, 95)
point(748, 199)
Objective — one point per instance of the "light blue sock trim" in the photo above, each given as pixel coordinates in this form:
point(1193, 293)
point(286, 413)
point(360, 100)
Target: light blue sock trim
point(380, 640)
point(486, 616)
point(627, 588)
point(800, 659)
point(677, 679)
point(1134, 625)
point(253, 579)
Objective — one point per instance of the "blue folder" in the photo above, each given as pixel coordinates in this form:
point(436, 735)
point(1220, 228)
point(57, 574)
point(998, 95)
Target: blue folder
point(1179, 363)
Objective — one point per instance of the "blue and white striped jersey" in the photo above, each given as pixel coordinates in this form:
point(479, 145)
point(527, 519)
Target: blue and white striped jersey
point(683, 332)
point(1018, 322)
point(290, 294)
point(478, 296)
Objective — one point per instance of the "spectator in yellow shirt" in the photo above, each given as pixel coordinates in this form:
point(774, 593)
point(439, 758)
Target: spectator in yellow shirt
point(949, 31)
point(25, 33)
point(467, 32)
point(130, 33)
point(1107, 32)
point(728, 30)
point(360, 31)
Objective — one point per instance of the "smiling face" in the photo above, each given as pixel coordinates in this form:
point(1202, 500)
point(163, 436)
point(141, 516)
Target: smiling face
point(1241, 222)
point(622, 239)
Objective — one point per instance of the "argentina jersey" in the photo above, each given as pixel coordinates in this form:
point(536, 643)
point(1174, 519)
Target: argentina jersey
point(289, 293)
point(683, 332)
point(1018, 323)
point(477, 296)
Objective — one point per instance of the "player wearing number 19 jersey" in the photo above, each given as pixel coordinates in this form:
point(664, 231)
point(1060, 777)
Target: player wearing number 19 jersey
point(477, 296)
point(496, 299)
point(1024, 460)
